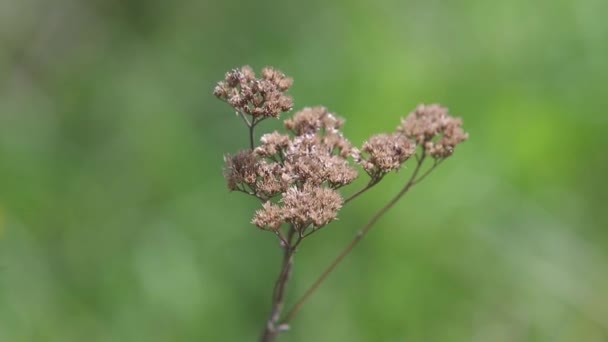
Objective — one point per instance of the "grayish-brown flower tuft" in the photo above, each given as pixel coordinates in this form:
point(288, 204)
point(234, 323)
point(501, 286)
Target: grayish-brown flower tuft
point(240, 169)
point(386, 152)
point(432, 127)
point(269, 217)
point(326, 126)
point(271, 180)
point(272, 144)
point(312, 119)
point(311, 205)
point(263, 97)
point(302, 207)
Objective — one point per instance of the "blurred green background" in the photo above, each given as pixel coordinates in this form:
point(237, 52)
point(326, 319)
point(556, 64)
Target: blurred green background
point(116, 225)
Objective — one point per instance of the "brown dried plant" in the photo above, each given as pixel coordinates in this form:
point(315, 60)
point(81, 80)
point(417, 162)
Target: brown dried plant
point(298, 176)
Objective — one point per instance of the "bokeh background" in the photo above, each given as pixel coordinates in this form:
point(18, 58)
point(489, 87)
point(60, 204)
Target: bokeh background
point(116, 225)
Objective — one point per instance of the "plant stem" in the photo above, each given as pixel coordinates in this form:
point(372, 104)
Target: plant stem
point(251, 127)
point(369, 185)
point(272, 329)
point(296, 308)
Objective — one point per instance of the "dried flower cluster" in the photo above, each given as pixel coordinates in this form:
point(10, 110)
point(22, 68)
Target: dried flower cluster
point(259, 98)
point(298, 175)
point(433, 128)
point(307, 167)
point(302, 207)
point(386, 152)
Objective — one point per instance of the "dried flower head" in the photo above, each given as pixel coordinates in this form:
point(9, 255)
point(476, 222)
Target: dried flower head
point(311, 205)
point(432, 127)
point(386, 152)
point(312, 119)
point(310, 160)
point(269, 217)
point(320, 122)
point(260, 98)
point(302, 207)
point(271, 179)
point(240, 169)
point(272, 144)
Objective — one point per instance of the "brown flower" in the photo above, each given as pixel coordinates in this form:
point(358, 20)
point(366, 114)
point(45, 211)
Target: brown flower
point(308, 160)
point(386, 152)
point(271, 179)
point(257, 97)
point(432, 127)
point(312, 119)
point(311, 205)
point(240, 169)
point(272, 144)
point(269, 217)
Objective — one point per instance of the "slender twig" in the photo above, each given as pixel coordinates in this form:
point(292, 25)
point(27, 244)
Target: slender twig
point(242, 115)
point(284, 242)
point(369, 185)
point(427, 172)
point(272, 329)
point(312, 231)
point(412, 180)
point(251, 139)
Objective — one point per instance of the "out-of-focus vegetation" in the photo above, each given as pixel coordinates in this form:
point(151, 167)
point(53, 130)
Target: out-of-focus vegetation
point(116, 225)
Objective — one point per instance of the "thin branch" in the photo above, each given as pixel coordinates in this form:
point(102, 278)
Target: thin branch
point(296, 308)
point(242, 115)
point(278, 297)
point(436, 163)
point(284, 242)
point(369, 185)
point(252, 194)
point(251, 139)
point(312, 231)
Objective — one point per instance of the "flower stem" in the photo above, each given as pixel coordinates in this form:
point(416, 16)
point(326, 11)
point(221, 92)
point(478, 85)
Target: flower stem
point(369, 185)
point(272, 328)
point(251, 143)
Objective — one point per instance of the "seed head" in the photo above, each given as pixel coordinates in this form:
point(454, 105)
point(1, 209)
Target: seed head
point(386, 152)
point(259, 98)
point(432, 127)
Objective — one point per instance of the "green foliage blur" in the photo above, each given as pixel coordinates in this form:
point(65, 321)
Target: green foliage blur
point(116, 224)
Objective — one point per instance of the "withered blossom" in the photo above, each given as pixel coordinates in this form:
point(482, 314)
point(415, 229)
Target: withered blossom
point(272, 143)
point(386, 152)
point(432, 127)
point(269, 217)
point(337, 143)
point(260, 98)
point(311, 205)
point(240, 169)
point(318, 168)
point(324, 126)
point(309, 160)
point(272, 179)
point(302, 207)
point(312, 119)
